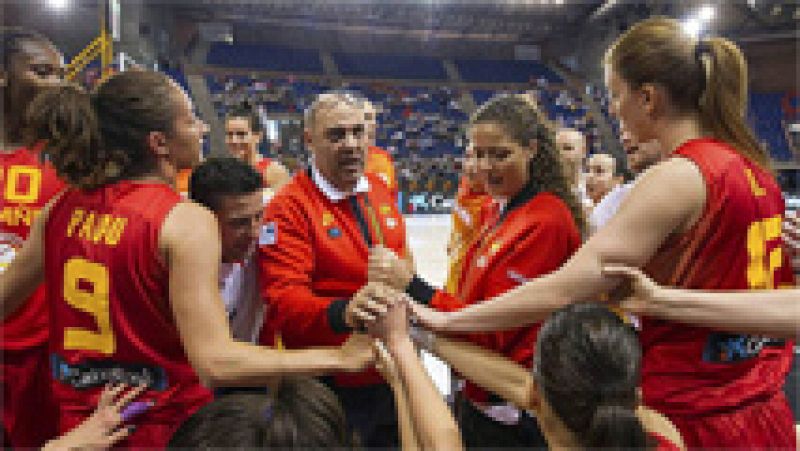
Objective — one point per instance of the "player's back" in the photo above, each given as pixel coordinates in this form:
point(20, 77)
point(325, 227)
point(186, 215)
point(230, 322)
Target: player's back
point(736, 244)
point(109, 299)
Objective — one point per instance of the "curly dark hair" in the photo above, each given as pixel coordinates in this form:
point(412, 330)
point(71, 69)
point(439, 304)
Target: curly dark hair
point(99, 138)
point(525, 124)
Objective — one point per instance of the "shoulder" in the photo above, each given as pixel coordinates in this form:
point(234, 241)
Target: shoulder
point(547, 209)
point(188, 221)
point(377, 185)
point(299, 190)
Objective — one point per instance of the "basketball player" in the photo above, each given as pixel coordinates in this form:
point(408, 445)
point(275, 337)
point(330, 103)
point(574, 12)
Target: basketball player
point(132, 269)
point(243, 135)
point(31, 64)
point(709, 217)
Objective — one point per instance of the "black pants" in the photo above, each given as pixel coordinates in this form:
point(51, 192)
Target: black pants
point(792, 386)
point(481, 432)
point(370, 412)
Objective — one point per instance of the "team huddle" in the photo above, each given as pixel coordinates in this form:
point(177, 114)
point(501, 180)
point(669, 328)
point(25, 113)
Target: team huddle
point(152, 299)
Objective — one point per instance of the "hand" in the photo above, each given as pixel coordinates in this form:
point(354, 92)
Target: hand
point(645, 292)
point(357, 353)
point(430, 319)
point(369, 303)
point(385, 363)
point(102, 429)
point(386, 267)
point(394, 324)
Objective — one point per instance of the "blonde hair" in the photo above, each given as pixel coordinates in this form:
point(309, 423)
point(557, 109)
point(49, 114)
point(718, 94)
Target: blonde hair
point(707, 76)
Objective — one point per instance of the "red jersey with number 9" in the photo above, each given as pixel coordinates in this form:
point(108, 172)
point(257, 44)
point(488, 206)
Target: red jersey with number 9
point(109, 298)
point(26, 185)
point(735, 245)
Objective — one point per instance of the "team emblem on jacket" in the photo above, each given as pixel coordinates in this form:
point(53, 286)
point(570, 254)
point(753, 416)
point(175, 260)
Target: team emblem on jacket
point(481, 262)
point(327, 218)
point(385, 209)
point(391, 223)
point(334, 232)
point(268, 235)
point(494, 248)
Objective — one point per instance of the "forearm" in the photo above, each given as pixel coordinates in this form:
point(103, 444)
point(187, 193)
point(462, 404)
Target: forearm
point(579, 279)
point(17, 284)
point(432, 420)
point(408, 436)
point(298, 313)
point(490, 370)
point(773, 313)
point(243, 364)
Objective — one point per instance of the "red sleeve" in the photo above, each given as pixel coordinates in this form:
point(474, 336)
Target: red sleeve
point(286, 263)
point(446, 302)
point(541, 250)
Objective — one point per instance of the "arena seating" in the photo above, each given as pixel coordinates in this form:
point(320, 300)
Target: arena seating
point(389, 66)
point(264, 57)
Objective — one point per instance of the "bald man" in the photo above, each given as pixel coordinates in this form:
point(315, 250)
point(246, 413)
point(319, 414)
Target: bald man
point(571, 145)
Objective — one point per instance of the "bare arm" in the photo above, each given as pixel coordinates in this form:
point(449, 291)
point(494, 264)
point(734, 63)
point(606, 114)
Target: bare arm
point(490, 370)
point(668, 198)
point(26, 271)
point(276, 176)
point(388, 368)
point(773, 313)
point(190, 241)
point(435, 427)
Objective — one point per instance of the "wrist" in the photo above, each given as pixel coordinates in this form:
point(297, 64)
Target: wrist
point(397, 342)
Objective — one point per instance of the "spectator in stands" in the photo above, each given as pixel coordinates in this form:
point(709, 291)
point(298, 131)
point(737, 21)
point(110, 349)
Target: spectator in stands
point(313, 251)
point(243, 135)
point(301, 413)
point(602, 176)
point(572, 145)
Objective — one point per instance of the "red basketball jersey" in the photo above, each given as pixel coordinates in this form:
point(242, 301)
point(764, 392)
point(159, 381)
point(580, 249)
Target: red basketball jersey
point(26, 185)
point(263, 164)
point(108, 294)
point(736, 244)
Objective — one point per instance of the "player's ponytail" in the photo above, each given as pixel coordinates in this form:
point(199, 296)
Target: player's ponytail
point(615, 426)
point(707, 77)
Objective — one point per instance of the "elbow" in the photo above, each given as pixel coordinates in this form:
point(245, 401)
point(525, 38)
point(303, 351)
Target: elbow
point(214, 369)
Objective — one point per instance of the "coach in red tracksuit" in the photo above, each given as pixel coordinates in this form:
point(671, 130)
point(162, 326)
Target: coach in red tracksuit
point(314, 247)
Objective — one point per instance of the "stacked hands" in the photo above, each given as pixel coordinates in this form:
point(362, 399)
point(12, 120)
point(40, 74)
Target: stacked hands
point(382, 308)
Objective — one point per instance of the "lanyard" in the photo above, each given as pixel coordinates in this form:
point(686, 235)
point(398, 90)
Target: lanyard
point(362, 221)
